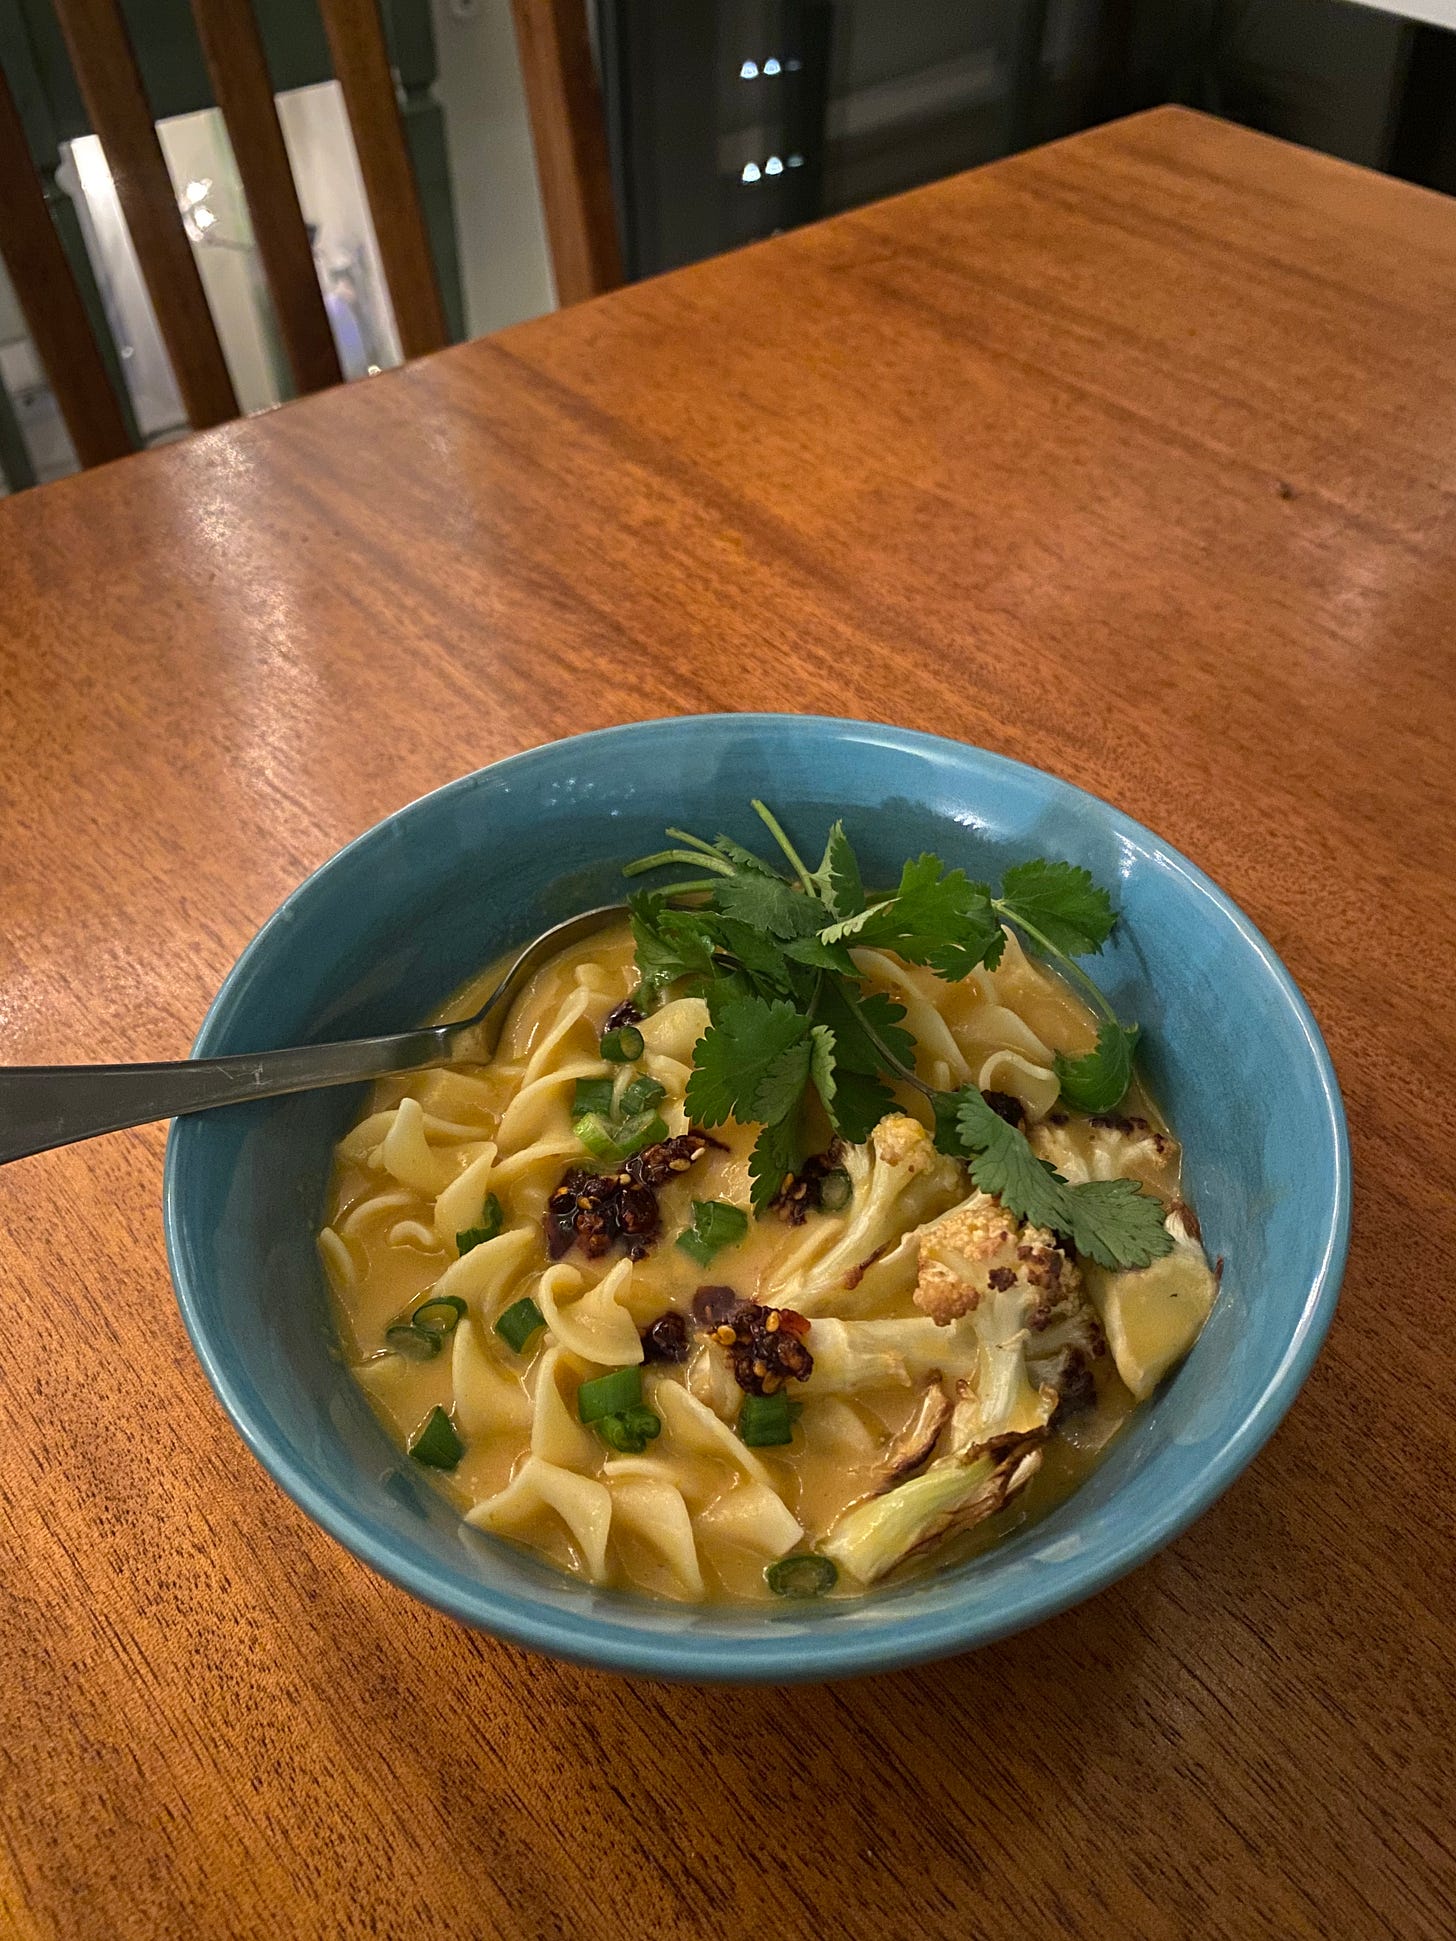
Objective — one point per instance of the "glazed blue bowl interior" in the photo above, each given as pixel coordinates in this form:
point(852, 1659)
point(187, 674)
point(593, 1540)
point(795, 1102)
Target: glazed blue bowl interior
point(397, 921)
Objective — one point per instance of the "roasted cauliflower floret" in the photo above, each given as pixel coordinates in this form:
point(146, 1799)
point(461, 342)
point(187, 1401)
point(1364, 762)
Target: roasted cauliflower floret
point(1023, 1292)
point(1107, 1146)
point(978, 1248)
point(951, 1495)
point(900, 1140)
point(897, 1179)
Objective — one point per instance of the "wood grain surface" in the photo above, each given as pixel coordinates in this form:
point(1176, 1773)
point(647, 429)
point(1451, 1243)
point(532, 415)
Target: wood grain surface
point(1131, 456)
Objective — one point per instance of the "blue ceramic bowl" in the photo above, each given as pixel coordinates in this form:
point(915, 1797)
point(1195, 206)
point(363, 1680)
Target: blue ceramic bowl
point(379, 936)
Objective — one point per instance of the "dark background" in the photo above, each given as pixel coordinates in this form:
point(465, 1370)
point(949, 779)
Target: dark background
point(891, 93)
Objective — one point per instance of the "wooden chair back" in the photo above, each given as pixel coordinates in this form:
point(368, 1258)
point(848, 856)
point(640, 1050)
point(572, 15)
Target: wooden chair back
point(567, 130)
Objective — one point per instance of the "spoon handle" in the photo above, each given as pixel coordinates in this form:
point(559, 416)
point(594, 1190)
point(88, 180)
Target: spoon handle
point(55, 1105)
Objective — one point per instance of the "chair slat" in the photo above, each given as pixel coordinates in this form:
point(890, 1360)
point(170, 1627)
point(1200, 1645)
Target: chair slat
point(569, 133)
point(233, 50)
point(116, 104)
point(361, 63)
point(51, 303)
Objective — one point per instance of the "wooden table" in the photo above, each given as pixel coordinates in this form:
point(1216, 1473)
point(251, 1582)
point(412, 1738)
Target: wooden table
point(1134, 456)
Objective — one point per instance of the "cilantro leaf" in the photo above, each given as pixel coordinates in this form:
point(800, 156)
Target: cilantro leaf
point(936, 917)
point(860, 1102)
point(759, 955)
point(947, 1133)
point(837, 879)
point(782, 1084)
point(743, 860)
point(820, 955)
point(670, 943)
point(1117, 1224)
point(1112, 1221)
point(1004, 1164)
point(854, 1048)
point(768, 903)
point(854, 1102)
point(1096, 1081)
point(1060, 903)
point(743, 1051)
point(777, 1152)
point(821, 1068)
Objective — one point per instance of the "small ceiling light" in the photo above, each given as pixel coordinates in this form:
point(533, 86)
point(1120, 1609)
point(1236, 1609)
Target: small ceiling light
point(773, 166)
point(748, 71)
point(771, 65)
point(751, 171)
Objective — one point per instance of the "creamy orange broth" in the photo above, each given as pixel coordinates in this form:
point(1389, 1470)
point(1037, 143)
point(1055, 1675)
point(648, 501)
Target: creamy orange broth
point(392, 1256)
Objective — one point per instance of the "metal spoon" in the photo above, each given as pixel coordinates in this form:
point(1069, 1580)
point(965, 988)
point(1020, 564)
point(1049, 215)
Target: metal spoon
point(42, 1106)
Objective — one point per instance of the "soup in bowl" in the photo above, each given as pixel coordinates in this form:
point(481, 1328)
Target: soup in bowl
point(824, 1465)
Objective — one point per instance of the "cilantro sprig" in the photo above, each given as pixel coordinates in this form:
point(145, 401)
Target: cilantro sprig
point(790, 1019)
point(1067, 915)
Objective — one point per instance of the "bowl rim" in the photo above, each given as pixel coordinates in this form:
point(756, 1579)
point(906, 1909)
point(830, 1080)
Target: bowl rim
point(796, 1654)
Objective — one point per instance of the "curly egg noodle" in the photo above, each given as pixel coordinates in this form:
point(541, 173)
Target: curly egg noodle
point(967, 1371)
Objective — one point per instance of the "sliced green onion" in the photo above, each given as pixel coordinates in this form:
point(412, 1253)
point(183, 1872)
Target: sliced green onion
point(420, 1335)
point(436, 1442)
point(519, 1322)
point(630, 1430)
point(597, 1136)
point(835, 1194)
point(592, 1095)
point(642, 1129)
point(623, 1046)
point(644, 1094)
point(492, 1219)
point(716, 1225)
point(802, 1576)
point(609, 1394)
point(413, 1342)
point(766, 1421)
point(439, 1315)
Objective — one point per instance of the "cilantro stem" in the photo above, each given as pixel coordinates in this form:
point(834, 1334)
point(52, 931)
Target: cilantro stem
point(697, 842)
point(910, 1077)
point(767, 816)
point(694, 858)
point(1071, 964)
